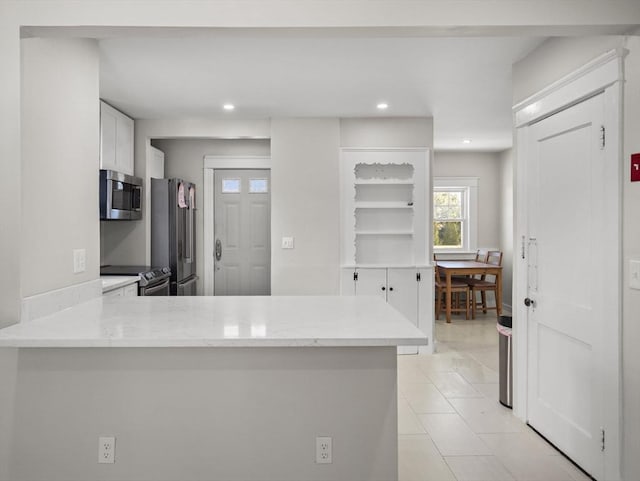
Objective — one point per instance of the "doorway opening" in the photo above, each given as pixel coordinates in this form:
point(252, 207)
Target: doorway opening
point(237, 226)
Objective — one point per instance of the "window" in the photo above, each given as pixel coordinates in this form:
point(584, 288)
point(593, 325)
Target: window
point(454, 214)
point(258, 186)
point(230, 186)
point(449, 215)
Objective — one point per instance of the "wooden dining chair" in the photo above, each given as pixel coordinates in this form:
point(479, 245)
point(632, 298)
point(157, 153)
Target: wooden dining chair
point(486, 283)
point(457, 289)
point(481, 256)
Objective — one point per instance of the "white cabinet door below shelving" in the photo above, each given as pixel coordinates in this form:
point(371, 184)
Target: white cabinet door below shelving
point(403, 292)
point(372, 282)
point(400, 287)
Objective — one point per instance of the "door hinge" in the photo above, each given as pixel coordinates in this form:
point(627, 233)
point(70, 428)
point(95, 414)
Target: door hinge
point(603, 137)
point(418, 277)
point(355, 276)
point(601, 439)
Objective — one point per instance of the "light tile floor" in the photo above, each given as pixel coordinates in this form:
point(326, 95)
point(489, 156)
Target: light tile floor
point(450, 424)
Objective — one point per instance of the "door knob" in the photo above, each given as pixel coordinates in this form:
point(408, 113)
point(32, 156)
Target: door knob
point(529, 302)
point(383, 288)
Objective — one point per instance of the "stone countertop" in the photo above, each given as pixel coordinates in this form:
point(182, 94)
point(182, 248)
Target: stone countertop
point(110, 283)
point(207, 321)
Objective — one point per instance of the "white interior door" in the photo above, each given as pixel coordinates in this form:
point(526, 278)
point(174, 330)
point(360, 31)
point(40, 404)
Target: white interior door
point(566, 281)
point(242, 232)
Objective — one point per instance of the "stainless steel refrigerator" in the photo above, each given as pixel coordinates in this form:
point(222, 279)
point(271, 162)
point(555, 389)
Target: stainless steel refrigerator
point(173, 232)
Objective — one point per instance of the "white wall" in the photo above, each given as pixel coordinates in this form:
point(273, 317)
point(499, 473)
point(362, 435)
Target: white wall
point(11, 193)
point(506, 224)
point(486, 166)
point(386, 132)
point(305, 204)
point(554, 59)
point(60, 125)
point(236, 414)
point(184, 160)
point(550, 62)
point(52, 193)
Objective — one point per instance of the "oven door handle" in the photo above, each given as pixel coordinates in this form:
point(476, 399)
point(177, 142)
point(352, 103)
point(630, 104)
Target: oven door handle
point(149, 291)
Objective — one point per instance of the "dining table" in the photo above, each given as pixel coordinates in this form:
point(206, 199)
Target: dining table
point(469, 268)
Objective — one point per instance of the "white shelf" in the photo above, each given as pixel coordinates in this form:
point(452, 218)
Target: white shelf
point(377, 232)
point(383, 205)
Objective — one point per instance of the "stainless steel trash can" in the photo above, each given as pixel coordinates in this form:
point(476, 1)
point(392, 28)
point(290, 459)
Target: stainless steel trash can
point(505, 361)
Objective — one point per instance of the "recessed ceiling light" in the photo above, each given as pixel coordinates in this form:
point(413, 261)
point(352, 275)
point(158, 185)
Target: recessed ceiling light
point(466, 141)
point(382, 106)
point(228, 106)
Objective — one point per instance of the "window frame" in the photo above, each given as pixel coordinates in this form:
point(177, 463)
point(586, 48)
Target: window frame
point(468, 186)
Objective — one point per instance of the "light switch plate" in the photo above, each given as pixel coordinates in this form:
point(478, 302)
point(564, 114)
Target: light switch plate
point(287, 242)
point(634, 274)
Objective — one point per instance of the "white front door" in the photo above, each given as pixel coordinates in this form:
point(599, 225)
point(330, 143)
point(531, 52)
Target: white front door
point(242, 232)
point(566, 281)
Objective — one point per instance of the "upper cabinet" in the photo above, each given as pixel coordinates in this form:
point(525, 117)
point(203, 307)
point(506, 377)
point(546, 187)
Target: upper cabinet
point(385, 202)
point(116, 140)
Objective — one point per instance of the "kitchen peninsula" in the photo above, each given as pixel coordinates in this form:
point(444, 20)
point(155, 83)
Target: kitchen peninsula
point(215, 388)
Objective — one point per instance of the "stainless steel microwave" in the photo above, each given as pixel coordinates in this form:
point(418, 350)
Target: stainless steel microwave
point(120, 196)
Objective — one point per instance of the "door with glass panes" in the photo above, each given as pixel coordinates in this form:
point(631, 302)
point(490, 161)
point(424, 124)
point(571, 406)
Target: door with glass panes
point(242, 232)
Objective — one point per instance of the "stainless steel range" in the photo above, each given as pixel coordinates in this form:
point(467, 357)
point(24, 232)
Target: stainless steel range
point(154, 281)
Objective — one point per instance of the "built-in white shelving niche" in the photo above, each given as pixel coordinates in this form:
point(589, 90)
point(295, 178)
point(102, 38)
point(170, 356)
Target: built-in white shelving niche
point(384, 207)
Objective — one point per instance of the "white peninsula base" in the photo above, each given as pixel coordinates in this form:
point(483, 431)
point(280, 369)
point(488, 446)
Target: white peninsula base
point(205, 414)
point(214, 389)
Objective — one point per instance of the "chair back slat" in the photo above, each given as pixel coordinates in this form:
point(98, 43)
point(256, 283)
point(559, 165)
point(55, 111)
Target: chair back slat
point(494, 258)
point(481, 255)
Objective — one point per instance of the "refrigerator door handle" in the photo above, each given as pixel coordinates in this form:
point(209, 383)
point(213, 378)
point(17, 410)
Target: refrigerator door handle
point(189, 282)
point(218, 250)
point(188, 254)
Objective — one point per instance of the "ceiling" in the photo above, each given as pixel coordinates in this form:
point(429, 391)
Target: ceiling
point(464, 83)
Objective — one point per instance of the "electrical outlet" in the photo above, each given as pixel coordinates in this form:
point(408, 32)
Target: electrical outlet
point(79, 260)
point(106, 450)
point(323, 450)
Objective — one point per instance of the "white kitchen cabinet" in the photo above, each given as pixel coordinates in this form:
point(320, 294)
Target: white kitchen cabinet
point(407, 289)
point(116, 140)
point(128, 290)
point(114, 293)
